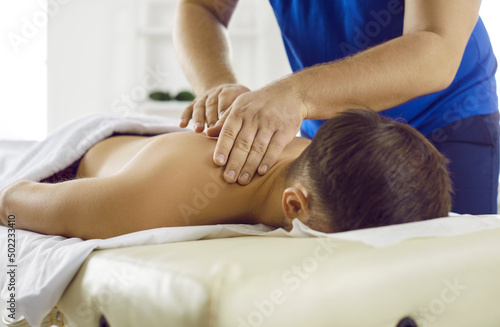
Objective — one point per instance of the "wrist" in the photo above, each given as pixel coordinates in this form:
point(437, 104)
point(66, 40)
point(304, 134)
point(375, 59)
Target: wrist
point(295, 84)
point(326, 89)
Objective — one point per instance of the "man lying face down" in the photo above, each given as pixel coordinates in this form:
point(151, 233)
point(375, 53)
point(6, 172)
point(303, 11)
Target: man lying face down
point(361, 170)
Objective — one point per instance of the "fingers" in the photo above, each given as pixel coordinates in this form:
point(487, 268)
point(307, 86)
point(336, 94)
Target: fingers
point(186, 115)
point(211, 110)
point(215, 130)
point(241, 146)
point(250, 150)
point(278, 142)
point(265, 151)
point(226, 99)
point(207, 108)
point(230, 130)
point(199, 113)
point(257, 152)
point(242, 149)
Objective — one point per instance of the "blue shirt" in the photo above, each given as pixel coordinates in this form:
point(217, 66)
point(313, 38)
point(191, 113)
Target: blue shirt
point(319, 31)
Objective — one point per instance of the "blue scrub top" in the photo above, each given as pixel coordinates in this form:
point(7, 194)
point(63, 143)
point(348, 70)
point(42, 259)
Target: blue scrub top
point(319, 31)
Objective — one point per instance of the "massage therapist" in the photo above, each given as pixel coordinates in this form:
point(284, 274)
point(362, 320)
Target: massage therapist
point(428, 62)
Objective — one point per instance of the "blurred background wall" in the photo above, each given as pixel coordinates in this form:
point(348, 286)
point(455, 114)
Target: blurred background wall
point(107, 55)
point(60, 59)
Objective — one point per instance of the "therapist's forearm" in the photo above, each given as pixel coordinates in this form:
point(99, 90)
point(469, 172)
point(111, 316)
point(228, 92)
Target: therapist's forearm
point(202, 46)
point(379, 78)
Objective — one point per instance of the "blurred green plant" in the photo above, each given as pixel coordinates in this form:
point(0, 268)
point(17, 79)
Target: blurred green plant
point(166, 96)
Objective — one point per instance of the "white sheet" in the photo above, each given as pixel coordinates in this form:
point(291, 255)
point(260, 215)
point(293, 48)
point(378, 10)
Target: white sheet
point(46, 264)
point(72, 140)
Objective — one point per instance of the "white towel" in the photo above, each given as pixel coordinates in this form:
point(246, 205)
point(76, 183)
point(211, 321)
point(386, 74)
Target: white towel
point(72, 140)
point(46, 264)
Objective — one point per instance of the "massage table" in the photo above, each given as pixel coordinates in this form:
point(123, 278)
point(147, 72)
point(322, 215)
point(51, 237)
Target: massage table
point(277, 281)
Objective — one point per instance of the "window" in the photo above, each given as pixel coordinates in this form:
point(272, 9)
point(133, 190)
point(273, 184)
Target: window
point(23, 78)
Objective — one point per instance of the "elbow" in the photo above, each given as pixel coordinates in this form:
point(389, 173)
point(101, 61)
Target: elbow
point(446, 76)
point(220, 12)
point(442, 59)
point(7, 202)
point(433, 78)
point(443, 81)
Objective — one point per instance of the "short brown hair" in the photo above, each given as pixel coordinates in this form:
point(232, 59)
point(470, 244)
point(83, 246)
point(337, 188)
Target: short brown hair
point(365, 170)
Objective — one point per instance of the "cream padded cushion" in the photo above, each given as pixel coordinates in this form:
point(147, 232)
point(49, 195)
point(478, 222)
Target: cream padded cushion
point(257, 281)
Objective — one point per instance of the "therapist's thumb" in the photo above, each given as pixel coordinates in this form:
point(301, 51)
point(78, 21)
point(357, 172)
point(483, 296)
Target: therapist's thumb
point(214, 131)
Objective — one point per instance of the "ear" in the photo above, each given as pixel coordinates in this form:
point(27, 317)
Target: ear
point(295, 204)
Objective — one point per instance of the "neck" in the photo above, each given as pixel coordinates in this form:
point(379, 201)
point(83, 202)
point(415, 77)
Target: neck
point(266, 206)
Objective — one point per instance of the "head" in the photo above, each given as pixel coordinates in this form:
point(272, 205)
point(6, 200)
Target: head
point(364, 170)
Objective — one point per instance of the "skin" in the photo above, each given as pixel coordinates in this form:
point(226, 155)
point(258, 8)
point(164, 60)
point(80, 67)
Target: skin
point(257, 125)
point(130, 183)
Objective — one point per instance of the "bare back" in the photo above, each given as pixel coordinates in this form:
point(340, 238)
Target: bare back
point(177, 174)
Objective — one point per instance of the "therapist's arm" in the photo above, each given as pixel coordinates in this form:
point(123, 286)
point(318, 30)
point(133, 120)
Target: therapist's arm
point(203, 49)
point(423, 60)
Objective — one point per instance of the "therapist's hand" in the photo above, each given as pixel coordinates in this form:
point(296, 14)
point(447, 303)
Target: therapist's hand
point(207, 107)
point(255, 129)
